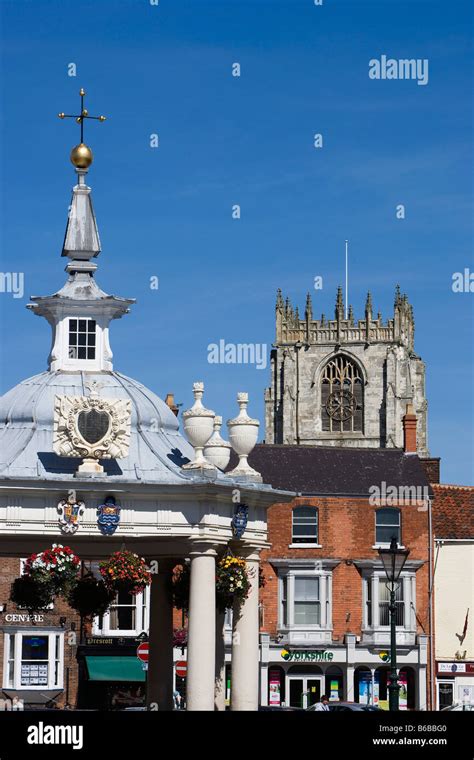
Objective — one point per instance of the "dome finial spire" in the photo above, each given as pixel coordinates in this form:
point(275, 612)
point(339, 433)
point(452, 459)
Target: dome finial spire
point(81, 155)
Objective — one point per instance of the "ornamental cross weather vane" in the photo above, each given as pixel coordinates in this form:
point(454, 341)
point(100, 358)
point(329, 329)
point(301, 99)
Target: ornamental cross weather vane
point(81, 155)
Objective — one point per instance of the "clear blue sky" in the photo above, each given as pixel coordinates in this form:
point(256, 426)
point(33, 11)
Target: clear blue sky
point(166, 69)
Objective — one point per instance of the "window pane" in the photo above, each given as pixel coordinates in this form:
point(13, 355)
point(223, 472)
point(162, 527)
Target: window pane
point(304, 530)
point(82, 339)
point(307, 613)
point(384, 534)
point(82, 325)
point(72, 325)
point(91, 325)
point(306, 589)
point(91, 353)
point(34, 648)
point(81, 353)
point(302, 513)
point(388, 517)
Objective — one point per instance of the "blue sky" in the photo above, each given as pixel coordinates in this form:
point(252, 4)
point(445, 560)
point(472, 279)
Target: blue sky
point(225, 140)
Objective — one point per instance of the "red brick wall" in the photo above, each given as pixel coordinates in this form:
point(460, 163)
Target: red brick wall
point(9, 570)
point(346, 533)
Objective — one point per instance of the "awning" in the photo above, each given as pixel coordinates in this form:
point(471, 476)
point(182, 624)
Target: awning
point(115, 669)
point(33, 697)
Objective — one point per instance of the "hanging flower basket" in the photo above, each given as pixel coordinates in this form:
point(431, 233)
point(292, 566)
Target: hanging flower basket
point(232, 581)
point(125, 571)
point(56, 568)
point(180, 581)
point(31, 594)
point(90, 597)
point(180, 637)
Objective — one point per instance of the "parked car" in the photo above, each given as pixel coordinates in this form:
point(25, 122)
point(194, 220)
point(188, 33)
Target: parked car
point(271, 708)
point(458, 706)
point(347, 706)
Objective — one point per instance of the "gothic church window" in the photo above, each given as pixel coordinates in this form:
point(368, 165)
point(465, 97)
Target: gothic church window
point(342, 404)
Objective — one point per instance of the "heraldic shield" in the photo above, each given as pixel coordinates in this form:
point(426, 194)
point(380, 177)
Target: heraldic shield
point(108, 516)
point(240, 520)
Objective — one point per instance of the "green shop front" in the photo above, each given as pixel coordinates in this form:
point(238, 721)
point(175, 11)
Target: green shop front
point(111, 677)
point(301, 677)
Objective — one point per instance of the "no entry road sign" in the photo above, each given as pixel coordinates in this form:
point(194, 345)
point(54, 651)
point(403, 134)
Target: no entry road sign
point(181, 668)
point(142, 651)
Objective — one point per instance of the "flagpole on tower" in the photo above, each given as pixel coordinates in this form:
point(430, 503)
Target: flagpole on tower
point(346, 300)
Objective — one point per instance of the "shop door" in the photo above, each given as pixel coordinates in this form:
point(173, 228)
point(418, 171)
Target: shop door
point(296, 692)
point(304, 691)
point(445, 694)
point(314, 691)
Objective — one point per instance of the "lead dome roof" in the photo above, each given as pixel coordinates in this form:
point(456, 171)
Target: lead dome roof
point(157, 449)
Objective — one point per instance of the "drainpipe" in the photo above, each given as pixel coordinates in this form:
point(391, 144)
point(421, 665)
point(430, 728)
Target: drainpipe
point(430, 602)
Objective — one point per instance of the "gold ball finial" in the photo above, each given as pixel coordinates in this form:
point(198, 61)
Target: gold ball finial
point(82, 92)
point(81, 156)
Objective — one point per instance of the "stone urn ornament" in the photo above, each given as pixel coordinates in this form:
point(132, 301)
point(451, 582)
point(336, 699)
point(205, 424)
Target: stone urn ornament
point(243, 434)
point(198, 424)
point(216, 450)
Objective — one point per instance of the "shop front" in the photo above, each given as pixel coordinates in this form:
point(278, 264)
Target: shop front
point(111, 677)
point(455, 684)
point(349, 672)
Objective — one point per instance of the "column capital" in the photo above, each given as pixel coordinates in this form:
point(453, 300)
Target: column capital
point(199, 547)
point(249, 552)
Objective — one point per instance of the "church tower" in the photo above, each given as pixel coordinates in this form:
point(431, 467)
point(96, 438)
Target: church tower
point(342, 382)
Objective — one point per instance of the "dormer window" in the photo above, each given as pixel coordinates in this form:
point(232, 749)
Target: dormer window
point(82, 338)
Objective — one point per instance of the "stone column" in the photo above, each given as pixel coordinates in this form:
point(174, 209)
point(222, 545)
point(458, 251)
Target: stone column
point(219, 691)
point(201, 628)
point(245, 659)
point(160, 662)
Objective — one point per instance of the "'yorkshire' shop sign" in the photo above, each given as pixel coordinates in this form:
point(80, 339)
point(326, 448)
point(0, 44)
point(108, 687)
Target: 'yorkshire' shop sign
point(306, 655)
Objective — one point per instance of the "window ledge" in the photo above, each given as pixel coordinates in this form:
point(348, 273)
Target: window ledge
point(385, 546)
point(305, 546)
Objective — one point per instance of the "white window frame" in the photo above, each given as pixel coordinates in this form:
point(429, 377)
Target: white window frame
point(18, 634)
point(142, 617)
point(304, 544)
point(325, 599)
point(386, 544)
point(409, 600)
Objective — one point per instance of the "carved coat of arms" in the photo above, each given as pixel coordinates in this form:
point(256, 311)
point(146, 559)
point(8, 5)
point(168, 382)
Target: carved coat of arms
point(108, 516)
point(240, 520)
point(91, 427)
point(70, 510)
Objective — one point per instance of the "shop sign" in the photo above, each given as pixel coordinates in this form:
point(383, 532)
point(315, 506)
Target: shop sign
point(20, 618)
point(306, 655)
point(451, 667)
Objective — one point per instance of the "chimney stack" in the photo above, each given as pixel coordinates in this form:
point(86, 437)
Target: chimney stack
point(409, 430)
point(169, 401)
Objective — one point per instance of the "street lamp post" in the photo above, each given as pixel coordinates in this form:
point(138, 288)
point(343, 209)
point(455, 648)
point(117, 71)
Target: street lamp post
point(393, 560)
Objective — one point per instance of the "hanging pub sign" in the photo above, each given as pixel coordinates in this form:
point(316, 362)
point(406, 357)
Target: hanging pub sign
point(240, 520)
point(70, 510)
point(108, 516)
